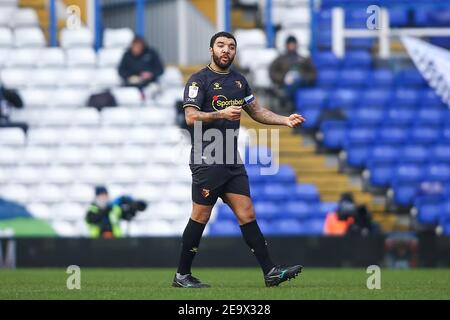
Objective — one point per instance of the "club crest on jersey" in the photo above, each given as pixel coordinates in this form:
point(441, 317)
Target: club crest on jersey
point(205, 193)
point(238, 84)
point(217, 86)
point(193, 90)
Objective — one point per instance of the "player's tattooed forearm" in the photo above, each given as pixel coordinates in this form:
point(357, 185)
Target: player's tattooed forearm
point(263, 115)
point(194, 114)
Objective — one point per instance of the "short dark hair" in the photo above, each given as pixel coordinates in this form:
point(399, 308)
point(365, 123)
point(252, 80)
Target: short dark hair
point(291, 39)
point(221, 34)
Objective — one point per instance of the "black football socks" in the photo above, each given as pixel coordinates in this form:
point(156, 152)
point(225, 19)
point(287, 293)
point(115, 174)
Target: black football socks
point(258, 245)
point(190, 242)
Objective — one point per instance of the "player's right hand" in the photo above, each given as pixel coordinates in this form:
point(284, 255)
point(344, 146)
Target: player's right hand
point(232, 113)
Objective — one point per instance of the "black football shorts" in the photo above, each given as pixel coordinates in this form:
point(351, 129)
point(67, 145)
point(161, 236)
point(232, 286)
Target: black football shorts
point(211, 182)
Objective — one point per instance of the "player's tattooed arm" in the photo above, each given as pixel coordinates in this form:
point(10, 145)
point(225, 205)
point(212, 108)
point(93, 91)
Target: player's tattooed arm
point(265, 116)
point(192, 114)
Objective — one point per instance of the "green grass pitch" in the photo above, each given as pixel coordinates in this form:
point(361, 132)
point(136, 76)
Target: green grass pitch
point(231, 283)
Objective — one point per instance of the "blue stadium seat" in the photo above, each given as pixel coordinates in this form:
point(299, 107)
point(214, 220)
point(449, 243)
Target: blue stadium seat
point(312, 116)
point(424, 134)
point(438, 172)
point(408, 172)
point(375, 98)
point(267, 228)
point(327, 78)
point(381, 78)
point(285, 174)
point(299, 209)
point(326, 207)
point(254, 174)
point(428, 210)
point(380, 173)
point(343, 98)
point(444, 135)
point(333, 133)
point(357, 155)
point(324, 19)
point(431, 116)
point(311, 98)
point(258, 156)
point(326, 59)
point(392, 135)
point(400, 115)
point(257, 192)
point(324, 39)
point(414, 153)
point(405, 98)
point(306, 193)
point(288, 227)
point(404, 193)
point(441, 153)
point(353, 78)
point(360, 135)
point(313, 227)
point(224, 212)
point(398, 17)
point(267, 209)
point(359, 43)
point(410, 78)
point(356, 18)
point(224, 228)
point(366, 116)
point(384, 153)
point(276, 191)
point(357, 59)
point(429, 99)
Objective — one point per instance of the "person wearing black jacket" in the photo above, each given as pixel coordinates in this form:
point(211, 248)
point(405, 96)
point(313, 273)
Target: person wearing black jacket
point(140, 64)
point(9, 98)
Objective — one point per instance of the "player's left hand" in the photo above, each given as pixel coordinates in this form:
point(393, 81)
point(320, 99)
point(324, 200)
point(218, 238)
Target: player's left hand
point(294, 120)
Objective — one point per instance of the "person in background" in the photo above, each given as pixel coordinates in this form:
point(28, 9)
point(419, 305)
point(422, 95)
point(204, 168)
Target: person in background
point(103, 217)
point(338, 223)
point(140, 65)
point(291, 71)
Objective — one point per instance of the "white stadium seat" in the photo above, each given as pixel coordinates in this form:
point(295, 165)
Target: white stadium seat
point(12, 137)
point(46, 78)
point(44, 137)
point(92, 175)
point(296, 17)
point(23, 57)
point(4, 53)
point(123, 174)
point(24, 17)
point(15, 78)
point(117, 38)
point(171, 77)
point(70, 98)
point(26, 175)
point(4, 175)
point(15, 192)
point(118, 117)
point(133, 155)
point(179, 192)
point(154, 116)
point(48, 193)
point(257, 58)
point(70, 155)
point(106, 78)
point(78, 136)
point(110, 136)
point(109, 57)
point(170, 96)
point(85, 117)
point(59, 175)
point(55, 118)
point(76, 38)
point(5, 16)
point(65, 228)
point(261, 78)
point(6, 37)
point(169, 211)
point(148, 192)
point(36, 156)
point(9, 156)
point(80, 193)
point(250, 38)
point(34, 98)
point(116, 190)
point(30, 37)
point(127, 96)
point(39, 210)
point(158, 228)
point(101, 155)
point(142, 135)
point(51, 58)
point(68, 211)
point(157, 174)
point(77, 78)
point(81, 57)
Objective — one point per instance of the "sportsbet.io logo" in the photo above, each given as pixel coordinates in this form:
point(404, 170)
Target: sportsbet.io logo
point(220, 102)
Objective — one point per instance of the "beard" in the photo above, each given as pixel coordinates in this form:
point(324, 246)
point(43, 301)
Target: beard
point(221, 64)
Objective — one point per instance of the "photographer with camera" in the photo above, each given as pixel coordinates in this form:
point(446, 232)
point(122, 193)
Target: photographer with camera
point(103, 217)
